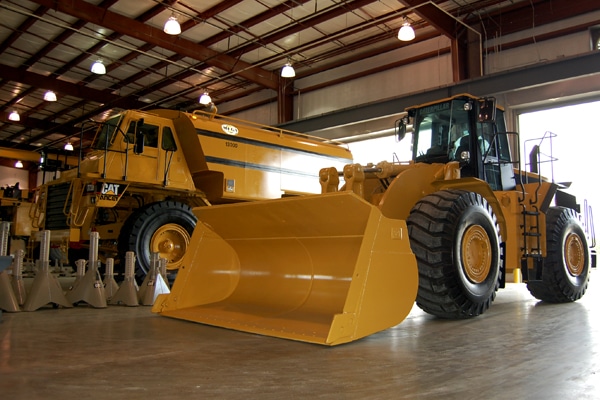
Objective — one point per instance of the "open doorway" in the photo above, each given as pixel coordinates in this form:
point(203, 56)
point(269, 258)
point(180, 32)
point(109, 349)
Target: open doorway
point(576, 146)
point(386, 148)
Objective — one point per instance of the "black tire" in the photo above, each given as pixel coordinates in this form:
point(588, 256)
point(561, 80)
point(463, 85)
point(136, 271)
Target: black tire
point(566, 268)
point(455, 237)
point(165, 227)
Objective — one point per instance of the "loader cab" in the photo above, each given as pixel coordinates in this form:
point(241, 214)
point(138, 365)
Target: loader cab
point(467, 130)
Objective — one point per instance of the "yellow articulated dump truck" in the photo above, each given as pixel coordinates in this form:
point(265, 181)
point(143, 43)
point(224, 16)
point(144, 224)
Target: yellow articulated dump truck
point(442, 229)
point(145, 172)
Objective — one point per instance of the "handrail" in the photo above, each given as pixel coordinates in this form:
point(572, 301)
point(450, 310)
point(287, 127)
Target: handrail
point(35, 210)
point(68, 213)
point(75, 217)
point(549, 157)
point(272, 129)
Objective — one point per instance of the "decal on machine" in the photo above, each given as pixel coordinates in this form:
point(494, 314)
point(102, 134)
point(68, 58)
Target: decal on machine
point(109, 191)
point(229, 129)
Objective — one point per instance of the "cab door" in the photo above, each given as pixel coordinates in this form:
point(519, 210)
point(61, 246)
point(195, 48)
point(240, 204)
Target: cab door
point(492, 145)
point(143, 164)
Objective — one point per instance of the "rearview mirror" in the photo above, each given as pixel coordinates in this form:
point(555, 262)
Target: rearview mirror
point(487, 110)
point(138, 147)
point(401, 129)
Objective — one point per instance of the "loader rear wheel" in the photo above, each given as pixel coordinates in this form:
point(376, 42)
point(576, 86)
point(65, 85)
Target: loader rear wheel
point(566, 268)
point(455, 237)
point(165, 227)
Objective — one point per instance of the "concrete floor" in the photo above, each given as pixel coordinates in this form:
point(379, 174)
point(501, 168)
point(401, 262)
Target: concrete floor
point(519, 349)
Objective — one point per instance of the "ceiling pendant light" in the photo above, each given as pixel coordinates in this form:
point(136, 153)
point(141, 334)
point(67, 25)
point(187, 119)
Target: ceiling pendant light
point(50, 96)
point(19, 164)
point(98, 68)
point(205, 99)
point(14, 116)
point(288, 71)
point(172, 26)
point(68, 146)
point(406, 33)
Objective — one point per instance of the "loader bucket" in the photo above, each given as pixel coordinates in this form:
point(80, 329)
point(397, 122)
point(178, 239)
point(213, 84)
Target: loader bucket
point(324, 269)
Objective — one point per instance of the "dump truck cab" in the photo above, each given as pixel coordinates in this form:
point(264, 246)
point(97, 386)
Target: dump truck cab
point(141, 147)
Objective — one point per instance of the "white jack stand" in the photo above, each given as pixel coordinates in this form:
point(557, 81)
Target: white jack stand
point(90, 289)
point(153, 284)
point(8, 300)
point(79, 273)
point(110, 285)
point(45, 288)
point(128, 291)
point(17, 282)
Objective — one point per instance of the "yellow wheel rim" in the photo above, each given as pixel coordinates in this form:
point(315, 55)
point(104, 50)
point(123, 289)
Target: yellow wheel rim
point(476, 254)
point(171, 242)
point(574, 254)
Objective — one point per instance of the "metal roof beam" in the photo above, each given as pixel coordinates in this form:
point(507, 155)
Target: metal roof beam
point(434, 16)
point(464, 49)
point(66, 88)
point(129, 27)
point(503, 82)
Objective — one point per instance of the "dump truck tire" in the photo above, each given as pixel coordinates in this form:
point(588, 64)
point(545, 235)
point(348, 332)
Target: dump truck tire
point(566, 268)
point(164, 227)
point(455, 237)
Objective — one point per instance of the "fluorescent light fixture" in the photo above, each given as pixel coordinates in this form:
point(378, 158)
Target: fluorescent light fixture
point(406, 33)
point(14, 116)
point(50, 96)
point(69, 146)
point(172, 27)
point(19, 164)
point(205, 99)
point(98, 68)
point(288, 71)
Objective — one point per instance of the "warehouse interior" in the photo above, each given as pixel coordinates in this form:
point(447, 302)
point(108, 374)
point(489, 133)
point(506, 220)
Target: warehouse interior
point(333, 71)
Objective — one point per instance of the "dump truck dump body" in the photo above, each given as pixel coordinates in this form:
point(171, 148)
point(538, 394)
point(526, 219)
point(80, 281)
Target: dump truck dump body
point(320, 269)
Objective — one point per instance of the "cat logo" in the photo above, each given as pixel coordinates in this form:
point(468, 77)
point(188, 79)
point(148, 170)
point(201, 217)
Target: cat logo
point(109, 191)
point(229, 129)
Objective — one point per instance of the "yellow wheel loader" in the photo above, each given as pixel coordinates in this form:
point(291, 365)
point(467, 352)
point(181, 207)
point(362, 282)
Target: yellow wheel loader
point(442, 229)
point(146, 170)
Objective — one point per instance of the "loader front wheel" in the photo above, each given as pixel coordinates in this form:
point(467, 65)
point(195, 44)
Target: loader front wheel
point(566, 268)
point(164, 227)
point(455, 237)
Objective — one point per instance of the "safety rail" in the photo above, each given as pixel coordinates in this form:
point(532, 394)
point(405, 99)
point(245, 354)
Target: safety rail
point(539, 158)
point(272, 129)
point(75, 217)
point(38, 208)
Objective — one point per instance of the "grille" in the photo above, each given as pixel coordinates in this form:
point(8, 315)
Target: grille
point(55, 204)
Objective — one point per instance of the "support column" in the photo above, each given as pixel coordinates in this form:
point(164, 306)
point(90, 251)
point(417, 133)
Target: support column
point(285, 100)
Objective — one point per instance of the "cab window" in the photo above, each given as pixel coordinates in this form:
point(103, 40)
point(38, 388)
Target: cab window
point(496, 140)
point(106, 133)
point(149, 131)
point(168, 141)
